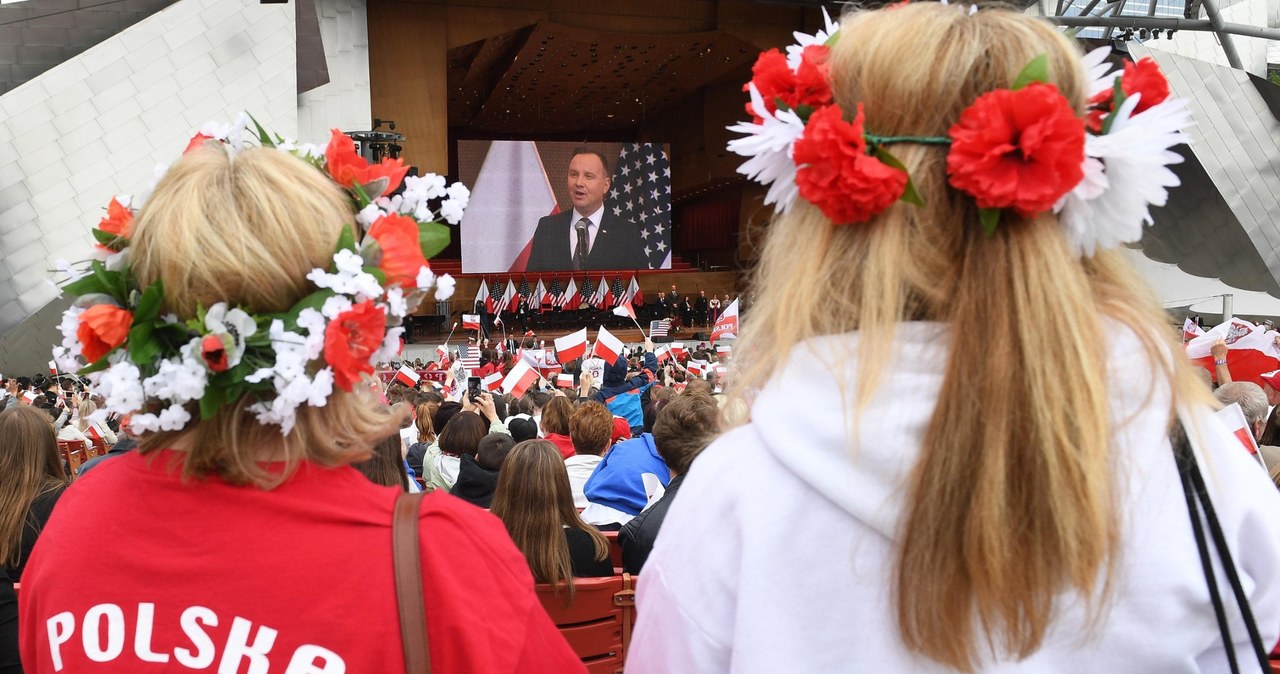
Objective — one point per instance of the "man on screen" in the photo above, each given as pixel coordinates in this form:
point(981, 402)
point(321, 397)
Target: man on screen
point(587, 236)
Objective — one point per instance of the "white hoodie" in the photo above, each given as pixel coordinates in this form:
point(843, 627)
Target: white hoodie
point(778, 555)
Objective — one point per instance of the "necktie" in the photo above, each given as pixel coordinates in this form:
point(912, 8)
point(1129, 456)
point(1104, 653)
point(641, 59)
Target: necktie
point(580, 251)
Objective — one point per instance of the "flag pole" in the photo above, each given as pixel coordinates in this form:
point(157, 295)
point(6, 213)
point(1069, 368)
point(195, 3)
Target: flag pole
point(450, 335)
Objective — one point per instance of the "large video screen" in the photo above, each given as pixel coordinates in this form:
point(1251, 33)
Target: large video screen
point(553, 206)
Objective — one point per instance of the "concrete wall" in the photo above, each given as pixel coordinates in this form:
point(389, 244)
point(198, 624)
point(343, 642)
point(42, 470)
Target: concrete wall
point(344, 101)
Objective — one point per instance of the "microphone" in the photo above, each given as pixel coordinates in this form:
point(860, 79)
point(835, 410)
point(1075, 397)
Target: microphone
point(581, 226)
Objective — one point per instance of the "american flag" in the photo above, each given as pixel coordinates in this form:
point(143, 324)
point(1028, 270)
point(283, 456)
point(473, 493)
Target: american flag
point(524, 290)
point(616, 289)
point(496, 292)
point(587, 290)
point(659, 328)
point(557, 289)
point(642, 194)
point(469, 356)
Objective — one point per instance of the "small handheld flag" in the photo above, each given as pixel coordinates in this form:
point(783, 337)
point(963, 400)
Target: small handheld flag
point(607, 347)
point(571, 346)
point(407, 376)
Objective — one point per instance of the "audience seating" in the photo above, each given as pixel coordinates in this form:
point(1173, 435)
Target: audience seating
point(74, 454)
point(615, 550)
point(598, 623)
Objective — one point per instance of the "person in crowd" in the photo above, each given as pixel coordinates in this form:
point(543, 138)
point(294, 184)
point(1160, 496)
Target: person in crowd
point(385, 467)
point(555, 425)
point(533, 501)
point(522, 427)
point(89, 427)
point(1253, 404)
point(681, 430)
point(620, 486)
point(589, 428)
point(587, 236)
point(429, 444)
point(478, 477)
point(221, 524)
point(713, 309)
point(959, 453)
point(700, 308)
point(460, 437)
point(33, 481)
point(623, 395)
point(658, 396)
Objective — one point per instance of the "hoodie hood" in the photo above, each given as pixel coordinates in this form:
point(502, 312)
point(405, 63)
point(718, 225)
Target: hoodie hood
point(864, 470)
point(475, 484)
point(616, 372)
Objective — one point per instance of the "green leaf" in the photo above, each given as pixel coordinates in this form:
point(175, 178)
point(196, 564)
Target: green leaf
point(112, 241)
point(433, 237)
point(909, 193)
point(1035, 71)
point(989, 217)
point(143, 348)
point(347, 239)
point(263, 137)
point(114, 282)
point(87, 285)
point(102, 364)
point(831, 41)
point(362, 197)
point(1118, 98)
point(211, 402)
point(149, 304)
point(377, 273)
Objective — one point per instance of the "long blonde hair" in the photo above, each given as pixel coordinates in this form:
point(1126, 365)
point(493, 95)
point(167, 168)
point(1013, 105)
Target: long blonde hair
point(31, 466)
point(246, 230)
point(1011, 499)
point(535, 502)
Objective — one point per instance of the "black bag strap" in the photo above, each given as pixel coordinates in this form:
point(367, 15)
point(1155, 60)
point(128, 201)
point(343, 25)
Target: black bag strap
point(1197, 496)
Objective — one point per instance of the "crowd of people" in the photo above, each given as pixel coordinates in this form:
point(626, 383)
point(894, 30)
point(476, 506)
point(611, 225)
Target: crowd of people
point(955, 436)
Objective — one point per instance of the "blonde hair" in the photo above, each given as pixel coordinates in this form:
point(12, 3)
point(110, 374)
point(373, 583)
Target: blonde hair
point(1011, 499)
point(84, 411)
point(246, 230)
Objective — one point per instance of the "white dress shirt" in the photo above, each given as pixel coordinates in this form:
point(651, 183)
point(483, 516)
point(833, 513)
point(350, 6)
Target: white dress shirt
point(592, 229)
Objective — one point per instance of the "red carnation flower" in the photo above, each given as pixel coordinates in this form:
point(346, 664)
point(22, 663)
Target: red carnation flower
point(214, 352)
point(350, 341)
point(1019, 149)
point(103, 327)
point(350, 169)
point(809, 85)
point(837, 175)
point(197, 142)
point(119, 220)
point(1143, 77)
point(402, 256)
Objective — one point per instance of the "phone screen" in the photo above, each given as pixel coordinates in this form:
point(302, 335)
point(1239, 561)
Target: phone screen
point(473, 387)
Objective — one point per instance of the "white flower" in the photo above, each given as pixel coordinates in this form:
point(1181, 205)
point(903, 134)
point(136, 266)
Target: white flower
point(70, 342)
point(390, 346)
point(351, 279)
point(369, 215)
point(321, 388)
point(451, 210)
point(179, 380)
point(422, 188)
point(1100, 74)
point(1109, 209)
point(144, 423)
point(334, 306)
point(174, 418)
point(422, 212)
point(426, 277)
point(459, 192)
point(396, 304)
point(118, 261)
point(235, 323)
point(804, 40)
point(231, 133)
point(315, 324)
point(768, 146)
point(444, 287)
point(121, 388)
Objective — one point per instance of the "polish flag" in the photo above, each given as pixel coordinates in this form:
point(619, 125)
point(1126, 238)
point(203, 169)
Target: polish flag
point(471, 322)
point(634, 295)
point(600, 299)
point(564, 380)
point(1190, 330)
point(510, 298)
point(608, 347)
point(571, 299)
point(407, 376)
point(519, 379)
point(625, 310)
point(1251, 349)
point(535, 298)
point(442, 353)
point(1233, 418)
point(53, 369)
point(511, 193)
point(492, 382)
point(663, 353)
point(571, 346)
point(724, 350)
point(482, 297)
point(727, 324)
point(92, 432)
point(677, 349)
point(697, 368)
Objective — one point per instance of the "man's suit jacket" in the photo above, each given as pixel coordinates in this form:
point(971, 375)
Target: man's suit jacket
point(617, 246)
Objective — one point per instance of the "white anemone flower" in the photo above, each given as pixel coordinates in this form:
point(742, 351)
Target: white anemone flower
point(803, 40)
point(768, 145)
point(234, 323)
point(1109, 210)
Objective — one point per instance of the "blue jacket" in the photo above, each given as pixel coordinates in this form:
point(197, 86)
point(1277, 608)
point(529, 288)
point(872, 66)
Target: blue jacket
point(621, 395)
point(617, 480)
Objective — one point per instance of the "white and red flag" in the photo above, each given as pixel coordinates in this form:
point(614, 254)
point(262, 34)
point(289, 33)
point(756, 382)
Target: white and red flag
point(1251, 349)
point(53, 368)
point(600, 299)
point(93, 433)
point(493, 382)
point(519, 379)
point(697, 368)
point(634, 295)
point(608, 347)
point(482, 296)
point(571, 346)
point(406, 375)
point(571, 299)
point(724, 350)
point(471, 321)
point(442, 353)
point(625, 310)
point(564, 380)
point(1233, 418)
point(1190, 330)
point(727, 324)
point(662, 353)
point(537, 296)
point(510, 297)
point(677, 349)
point(511, 193)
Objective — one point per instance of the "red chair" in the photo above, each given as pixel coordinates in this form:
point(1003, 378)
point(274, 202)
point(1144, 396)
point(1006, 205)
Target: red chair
point(615, 550)
point(73, 453)
point(598, 623)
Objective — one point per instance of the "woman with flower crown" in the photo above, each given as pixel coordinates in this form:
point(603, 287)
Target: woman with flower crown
point(238, 533)
point(966, 408)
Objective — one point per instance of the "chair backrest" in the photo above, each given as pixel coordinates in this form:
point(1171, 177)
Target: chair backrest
point(615, 550)
point(74, 454)
point(597, 624)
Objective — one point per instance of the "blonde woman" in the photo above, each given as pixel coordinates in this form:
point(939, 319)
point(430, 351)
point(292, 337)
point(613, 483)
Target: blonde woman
point(238, 533)
point(962, 420)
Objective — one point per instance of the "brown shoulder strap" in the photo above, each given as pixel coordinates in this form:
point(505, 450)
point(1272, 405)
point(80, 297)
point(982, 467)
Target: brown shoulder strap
point(408, 568)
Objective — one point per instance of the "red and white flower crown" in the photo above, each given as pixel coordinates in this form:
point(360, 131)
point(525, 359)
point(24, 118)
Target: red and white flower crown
point(160, 368)
point(1022, 148)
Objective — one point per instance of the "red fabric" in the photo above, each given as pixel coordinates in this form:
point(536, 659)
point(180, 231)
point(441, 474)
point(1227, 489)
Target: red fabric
point(563, 443)
point(310, 559)
point(486, 370)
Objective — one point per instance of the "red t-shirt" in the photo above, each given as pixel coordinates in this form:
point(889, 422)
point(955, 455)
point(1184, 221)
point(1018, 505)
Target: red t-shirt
point(139, 571)
point(563, 443)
